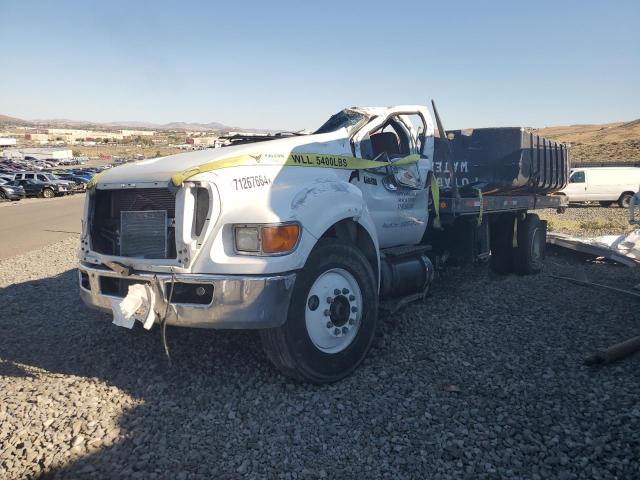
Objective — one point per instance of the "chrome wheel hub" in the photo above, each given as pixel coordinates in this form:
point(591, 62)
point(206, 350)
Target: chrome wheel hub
point(334, 306)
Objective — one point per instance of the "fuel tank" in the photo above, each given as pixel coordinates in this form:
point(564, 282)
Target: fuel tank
point(502, 161)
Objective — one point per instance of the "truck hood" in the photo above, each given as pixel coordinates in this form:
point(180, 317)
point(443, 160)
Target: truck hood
point(161, 169)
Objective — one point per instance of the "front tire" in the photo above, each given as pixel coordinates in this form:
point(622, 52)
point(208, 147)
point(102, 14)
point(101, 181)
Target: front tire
point(332, 316)
point(48, 193)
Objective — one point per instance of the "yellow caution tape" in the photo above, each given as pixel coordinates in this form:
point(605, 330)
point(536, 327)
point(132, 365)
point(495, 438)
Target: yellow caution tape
point(481, 206)
point(315, 160)
point(435, 196)
point(94, 180)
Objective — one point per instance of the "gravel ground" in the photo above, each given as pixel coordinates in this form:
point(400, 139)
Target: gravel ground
point(483, 380)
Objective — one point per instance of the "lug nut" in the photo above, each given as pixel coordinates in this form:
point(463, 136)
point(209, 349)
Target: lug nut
point(336, 292)
point(352, 321)
point(345, 291)
point(326, 313)
point(354, 309)
point(329, 325)
point(336, 332)
point(345, 330)
point(352, 297)
point(313, 302)
point(329, 300)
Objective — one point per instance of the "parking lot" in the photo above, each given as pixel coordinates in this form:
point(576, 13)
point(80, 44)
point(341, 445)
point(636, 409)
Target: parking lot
point(483, 379)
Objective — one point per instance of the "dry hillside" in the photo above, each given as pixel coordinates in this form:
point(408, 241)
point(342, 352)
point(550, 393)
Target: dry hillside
point(606, 142)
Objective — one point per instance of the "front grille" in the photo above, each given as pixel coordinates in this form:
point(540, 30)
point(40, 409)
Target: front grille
point(137, 223)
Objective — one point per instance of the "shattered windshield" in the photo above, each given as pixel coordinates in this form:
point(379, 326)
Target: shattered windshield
point(346, 118)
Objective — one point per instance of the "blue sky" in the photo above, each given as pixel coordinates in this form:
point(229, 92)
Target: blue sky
point(291, 64)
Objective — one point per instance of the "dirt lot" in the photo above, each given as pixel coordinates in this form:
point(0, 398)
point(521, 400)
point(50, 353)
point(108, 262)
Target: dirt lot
point(588, 220)
point(483, 380)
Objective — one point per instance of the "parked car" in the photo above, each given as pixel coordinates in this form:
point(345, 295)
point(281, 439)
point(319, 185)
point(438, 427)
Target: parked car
point(11, 192)
point(80, 182)
point(606, 185)
point(36, 188)
point(45, 177)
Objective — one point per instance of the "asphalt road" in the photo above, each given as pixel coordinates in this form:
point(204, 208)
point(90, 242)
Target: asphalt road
point(34, 223)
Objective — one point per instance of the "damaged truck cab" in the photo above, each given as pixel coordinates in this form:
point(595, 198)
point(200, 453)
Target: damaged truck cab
point(299, 237)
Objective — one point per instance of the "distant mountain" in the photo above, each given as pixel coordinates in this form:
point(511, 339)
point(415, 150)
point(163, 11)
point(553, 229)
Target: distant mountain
point(64, 122)
point(7, 120)
point(600, 142)
point(194, 126)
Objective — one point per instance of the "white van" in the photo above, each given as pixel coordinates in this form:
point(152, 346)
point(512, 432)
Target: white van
point(606, 185)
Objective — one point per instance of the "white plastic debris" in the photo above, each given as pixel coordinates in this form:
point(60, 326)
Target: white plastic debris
point(627, 245)
point(137, 305)
point(623, 249)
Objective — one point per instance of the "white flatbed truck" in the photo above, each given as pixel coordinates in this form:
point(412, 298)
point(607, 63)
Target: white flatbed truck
point(302, 237)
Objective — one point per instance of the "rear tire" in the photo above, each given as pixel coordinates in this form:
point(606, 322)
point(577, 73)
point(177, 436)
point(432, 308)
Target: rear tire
point(625, 200)
point(605, 204)
point(48, 193)
point(532, 238)
point(502, 251)
point(323, 339)
point(2, 195)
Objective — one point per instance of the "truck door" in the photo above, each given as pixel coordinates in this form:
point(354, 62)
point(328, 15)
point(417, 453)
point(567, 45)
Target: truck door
point(396, 196)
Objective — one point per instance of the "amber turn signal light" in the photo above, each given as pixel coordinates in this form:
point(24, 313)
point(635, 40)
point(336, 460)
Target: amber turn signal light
point(280, 239)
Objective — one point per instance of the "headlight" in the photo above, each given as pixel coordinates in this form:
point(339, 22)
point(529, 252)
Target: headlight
point(266, 239)
point(247, 239)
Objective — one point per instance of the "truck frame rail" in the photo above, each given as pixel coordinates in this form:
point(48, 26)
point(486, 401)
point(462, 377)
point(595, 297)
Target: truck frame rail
point(450, 206)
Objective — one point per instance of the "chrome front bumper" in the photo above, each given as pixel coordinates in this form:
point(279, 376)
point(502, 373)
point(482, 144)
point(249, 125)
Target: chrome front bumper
point(239, 302)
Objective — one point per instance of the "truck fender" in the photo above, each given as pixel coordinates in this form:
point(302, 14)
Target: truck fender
point(324, 204)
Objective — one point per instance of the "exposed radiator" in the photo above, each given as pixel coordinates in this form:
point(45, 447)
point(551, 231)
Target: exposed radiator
point(143, 234)
point(137, 222)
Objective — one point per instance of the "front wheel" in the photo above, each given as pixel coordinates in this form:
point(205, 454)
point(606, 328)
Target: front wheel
point(48, 193)
point(332, 316)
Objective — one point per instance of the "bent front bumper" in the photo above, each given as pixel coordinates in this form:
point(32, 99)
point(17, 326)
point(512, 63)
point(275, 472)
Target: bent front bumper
point(238, 302)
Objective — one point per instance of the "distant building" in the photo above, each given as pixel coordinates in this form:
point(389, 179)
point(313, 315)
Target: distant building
point(137, 133)
point(246, 134)
point(7, 142)
point(202, 140)
point(37, 137)
point(39, 153)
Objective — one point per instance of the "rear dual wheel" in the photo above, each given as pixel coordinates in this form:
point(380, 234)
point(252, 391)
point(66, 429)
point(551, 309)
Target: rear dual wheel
point(525, 255)
point(332, 316)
